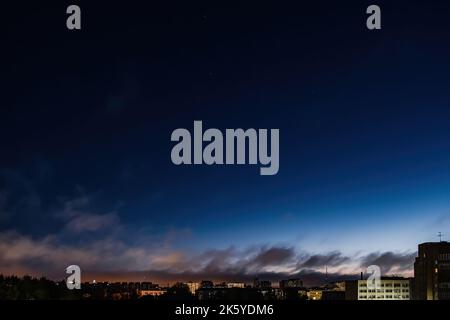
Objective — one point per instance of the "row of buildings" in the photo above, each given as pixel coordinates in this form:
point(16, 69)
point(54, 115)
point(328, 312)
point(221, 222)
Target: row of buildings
point(390, 288)
point(431, 281)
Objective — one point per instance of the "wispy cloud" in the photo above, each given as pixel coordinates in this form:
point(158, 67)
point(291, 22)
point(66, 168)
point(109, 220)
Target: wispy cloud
point(390, 262)
point(102, 245)
point(48, 256)
point(78, 216)
point(332, 259)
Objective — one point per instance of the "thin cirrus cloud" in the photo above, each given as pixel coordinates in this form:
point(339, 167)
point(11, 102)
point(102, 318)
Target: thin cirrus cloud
point(79, 218)
point(92, 222)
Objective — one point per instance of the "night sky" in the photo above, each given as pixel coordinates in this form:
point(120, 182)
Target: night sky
point(86, 118)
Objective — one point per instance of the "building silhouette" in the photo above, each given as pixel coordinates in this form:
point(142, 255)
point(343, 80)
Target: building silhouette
point(432, 271)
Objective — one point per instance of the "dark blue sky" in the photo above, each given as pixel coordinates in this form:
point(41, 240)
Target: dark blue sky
point(363, 116)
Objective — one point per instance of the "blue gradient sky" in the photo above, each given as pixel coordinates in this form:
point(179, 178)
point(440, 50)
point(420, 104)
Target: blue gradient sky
point(363, 117)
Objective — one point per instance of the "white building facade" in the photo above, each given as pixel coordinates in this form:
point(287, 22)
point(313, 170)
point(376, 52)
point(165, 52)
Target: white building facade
point(389, 289)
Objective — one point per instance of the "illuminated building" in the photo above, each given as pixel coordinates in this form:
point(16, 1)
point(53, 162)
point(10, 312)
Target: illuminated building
point(236, 285)
point(391, 288)
point(193, 286)
point(153, 293)
point(314, 294)
point(432, 271)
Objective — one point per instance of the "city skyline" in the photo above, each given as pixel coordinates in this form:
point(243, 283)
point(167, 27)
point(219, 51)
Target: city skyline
point(430, 282)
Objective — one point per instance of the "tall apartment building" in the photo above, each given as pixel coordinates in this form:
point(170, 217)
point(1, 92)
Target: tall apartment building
point(432, 271)
point(391, 288)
